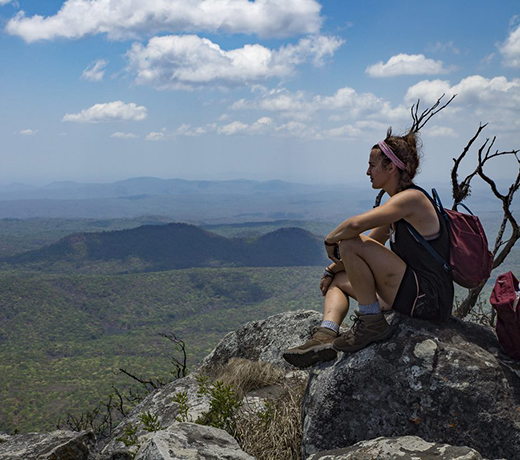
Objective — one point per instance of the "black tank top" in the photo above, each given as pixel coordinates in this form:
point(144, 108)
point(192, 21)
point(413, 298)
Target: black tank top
point(434, 281)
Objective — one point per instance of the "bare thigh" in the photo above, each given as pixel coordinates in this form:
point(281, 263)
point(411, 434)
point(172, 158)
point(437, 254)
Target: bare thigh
point(342, 282)
point(387, 267)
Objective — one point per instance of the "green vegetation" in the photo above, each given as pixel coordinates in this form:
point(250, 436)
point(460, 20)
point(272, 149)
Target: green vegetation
point(168, 247)
point(271, 429)
point(63, 338)
point(223, 405)
point(21, 235)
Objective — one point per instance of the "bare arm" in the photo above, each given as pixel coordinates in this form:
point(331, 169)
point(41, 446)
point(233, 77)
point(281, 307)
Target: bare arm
point(336, 267)
point(400, 206)
point(380, 234)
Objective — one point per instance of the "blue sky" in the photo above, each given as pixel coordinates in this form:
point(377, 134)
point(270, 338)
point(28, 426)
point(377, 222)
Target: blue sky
point(299, 90)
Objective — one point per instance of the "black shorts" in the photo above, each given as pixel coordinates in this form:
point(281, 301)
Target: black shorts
point(411, 299)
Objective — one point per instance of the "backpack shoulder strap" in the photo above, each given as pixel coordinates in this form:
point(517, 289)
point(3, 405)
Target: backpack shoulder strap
point(436, 201)
point(428, 247)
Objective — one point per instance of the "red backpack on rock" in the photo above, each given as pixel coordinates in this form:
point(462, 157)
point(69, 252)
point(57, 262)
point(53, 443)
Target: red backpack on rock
point(505, 300)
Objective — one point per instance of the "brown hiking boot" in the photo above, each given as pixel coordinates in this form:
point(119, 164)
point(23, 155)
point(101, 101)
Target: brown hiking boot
point(366, 329)
point(316, 350)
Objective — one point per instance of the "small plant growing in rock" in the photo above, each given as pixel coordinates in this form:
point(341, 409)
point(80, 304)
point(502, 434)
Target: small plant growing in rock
point(151, 422)
point(129, 437)
point(224, 403)
point(181, 399)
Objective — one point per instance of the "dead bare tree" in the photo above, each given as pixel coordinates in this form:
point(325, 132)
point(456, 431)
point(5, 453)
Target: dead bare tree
point(106, 415)
point(461, 190)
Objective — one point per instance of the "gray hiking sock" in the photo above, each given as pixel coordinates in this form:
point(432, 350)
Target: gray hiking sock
point(370, 309)
point(330, 325)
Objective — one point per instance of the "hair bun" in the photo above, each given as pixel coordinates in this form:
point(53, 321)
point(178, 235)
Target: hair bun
point(411, 139)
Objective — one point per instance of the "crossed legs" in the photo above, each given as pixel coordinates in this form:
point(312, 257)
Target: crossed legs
point(372, 273)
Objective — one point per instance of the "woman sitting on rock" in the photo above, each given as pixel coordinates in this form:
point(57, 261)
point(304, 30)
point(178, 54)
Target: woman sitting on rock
point(405, 279)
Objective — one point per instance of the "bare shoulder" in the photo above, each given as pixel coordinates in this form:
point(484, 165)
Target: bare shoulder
point(409, 197)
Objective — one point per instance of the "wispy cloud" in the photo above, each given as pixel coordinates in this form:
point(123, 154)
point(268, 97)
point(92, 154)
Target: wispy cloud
point(440, 131)
point(189, 61)
point(157, 135)
point(443, 47)
point(121, 135)
point(27, 132)
point(4, 2)
point(95, 71)
point(510, 49)
point(406, 64)
point(131, 18)
point(111, 111)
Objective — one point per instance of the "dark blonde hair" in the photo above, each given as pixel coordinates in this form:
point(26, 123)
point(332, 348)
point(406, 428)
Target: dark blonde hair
point(407, 149)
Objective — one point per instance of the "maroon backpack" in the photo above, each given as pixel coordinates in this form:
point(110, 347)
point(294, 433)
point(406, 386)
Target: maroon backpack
point(504, 299)
point(471, 261)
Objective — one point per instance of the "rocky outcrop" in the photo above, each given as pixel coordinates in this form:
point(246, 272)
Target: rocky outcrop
point(424, 393)
point(263, 340)
point(58, 445)
point(161, 404)
point(258, 340)
point(190, 441)
point(402, 448)
point(445, 383)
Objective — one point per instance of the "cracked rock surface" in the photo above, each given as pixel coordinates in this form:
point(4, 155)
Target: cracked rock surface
point(56, 445)
point(401, 448)
point(446, 383)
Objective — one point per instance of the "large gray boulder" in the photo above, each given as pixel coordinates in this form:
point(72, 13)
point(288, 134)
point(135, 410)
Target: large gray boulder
point(263, 340)
point(185, 441)
point(57, 445)
point(445, 383)
point(399, 448)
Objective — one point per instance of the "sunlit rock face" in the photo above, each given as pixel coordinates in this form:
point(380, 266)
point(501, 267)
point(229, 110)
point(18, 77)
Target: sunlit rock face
point(57, 445)
point(446, 383)
point(400, 447)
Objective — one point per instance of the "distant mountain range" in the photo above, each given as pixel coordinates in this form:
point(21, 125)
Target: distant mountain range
point(149, 186)
point(205, 202)
point(171, 246)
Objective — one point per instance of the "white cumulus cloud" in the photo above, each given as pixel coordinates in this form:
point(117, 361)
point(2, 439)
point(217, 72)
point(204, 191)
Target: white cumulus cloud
point(95, 71)
point(189, 61)
point(510, 49)
point(4, 2)
point(495, 100)
point(346, 103)
point(130, 18)
point(111, 111)
point(120, 135)
point(474, 89)
point(406, 64)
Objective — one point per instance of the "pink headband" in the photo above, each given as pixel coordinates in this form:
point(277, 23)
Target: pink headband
point(388, 152)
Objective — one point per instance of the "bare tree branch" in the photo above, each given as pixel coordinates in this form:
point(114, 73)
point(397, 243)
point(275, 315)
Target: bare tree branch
point(461, 191)
point(420, 120)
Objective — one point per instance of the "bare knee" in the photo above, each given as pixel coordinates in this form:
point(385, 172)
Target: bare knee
point(350, 246)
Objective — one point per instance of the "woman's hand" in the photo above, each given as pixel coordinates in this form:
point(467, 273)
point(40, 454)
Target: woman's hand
point(332, 252)
point(325, 283)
